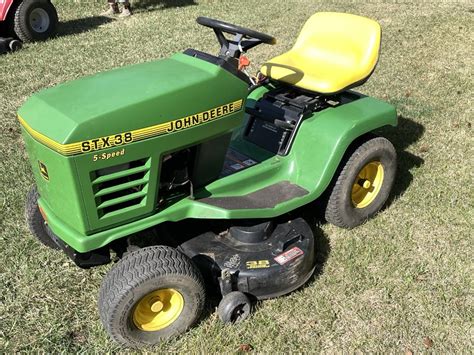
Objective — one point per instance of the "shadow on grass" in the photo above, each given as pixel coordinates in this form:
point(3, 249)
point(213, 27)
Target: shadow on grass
point(149, 5)
point(81, 25)
point(85, 24)
point(405, 134)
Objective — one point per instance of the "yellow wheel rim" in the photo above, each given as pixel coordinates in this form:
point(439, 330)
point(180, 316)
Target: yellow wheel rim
point(367, 184)
point(158, 309)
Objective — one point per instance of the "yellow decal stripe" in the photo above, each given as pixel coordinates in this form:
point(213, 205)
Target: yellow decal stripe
point(65, 149)
point(135, 135)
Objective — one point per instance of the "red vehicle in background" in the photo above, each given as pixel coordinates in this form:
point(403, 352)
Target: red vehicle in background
point(26, 21)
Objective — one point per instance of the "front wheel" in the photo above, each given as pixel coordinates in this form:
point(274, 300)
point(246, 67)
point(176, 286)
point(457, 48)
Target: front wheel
point(150, 295)
point(35, 20)
point(363, 185)
point(234, 307)
point(36, 223)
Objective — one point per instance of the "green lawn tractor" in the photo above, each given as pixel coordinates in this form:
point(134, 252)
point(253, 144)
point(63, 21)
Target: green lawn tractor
point(196, 140)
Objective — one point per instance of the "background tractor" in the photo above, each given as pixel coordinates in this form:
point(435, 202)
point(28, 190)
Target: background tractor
point(26, 21)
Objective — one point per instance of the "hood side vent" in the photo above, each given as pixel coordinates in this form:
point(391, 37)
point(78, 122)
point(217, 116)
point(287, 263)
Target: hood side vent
point(121, 188)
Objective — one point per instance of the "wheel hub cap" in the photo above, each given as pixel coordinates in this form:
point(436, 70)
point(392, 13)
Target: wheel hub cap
point(39, 20)
point(158, 309)
point(156, 305)
point(367, 185)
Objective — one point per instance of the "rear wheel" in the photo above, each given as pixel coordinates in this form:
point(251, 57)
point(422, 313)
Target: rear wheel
point(35, 20)
point(150, 295)
point(363, 185)
point(36, 223)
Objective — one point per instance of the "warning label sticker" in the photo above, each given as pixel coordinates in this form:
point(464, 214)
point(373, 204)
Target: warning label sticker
point(288, 255)
point(237, 166)
point(235, 161)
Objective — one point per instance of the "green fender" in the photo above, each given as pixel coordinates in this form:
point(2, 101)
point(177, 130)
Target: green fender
point(323, 139)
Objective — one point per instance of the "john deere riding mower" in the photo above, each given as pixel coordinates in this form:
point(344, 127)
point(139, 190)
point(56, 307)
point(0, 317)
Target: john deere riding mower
point(197, 138)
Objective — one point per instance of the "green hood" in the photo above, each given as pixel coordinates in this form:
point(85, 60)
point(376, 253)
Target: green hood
point(129, 98)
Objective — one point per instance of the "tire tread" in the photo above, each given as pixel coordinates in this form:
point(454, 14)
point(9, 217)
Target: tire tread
point(333, 213)
point(35, 220)
point(137, 267)
point(19, 21)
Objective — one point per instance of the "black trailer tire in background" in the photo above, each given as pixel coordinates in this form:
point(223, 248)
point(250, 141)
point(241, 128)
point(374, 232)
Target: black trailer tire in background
point(35, 20)
point(14, 45)
point(363, 185)
point(36, 222)
point(150, 295)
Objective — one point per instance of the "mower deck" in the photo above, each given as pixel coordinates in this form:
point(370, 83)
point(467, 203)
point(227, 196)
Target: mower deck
point(264, 259)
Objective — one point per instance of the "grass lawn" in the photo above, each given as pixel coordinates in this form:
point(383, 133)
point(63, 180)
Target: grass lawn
point(401, 282)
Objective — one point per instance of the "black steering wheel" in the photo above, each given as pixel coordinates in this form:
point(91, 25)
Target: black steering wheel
point(245, 38)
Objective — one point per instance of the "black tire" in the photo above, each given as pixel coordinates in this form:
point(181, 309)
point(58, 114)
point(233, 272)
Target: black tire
point(136, 276)
point(36, 223)
point(234, 307)
point(341, 209)
point(35, 20)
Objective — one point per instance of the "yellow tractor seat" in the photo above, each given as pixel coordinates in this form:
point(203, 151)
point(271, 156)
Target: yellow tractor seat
point(334, 52)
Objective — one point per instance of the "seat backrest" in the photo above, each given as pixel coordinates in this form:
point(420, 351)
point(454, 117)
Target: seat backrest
point(340, 38)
